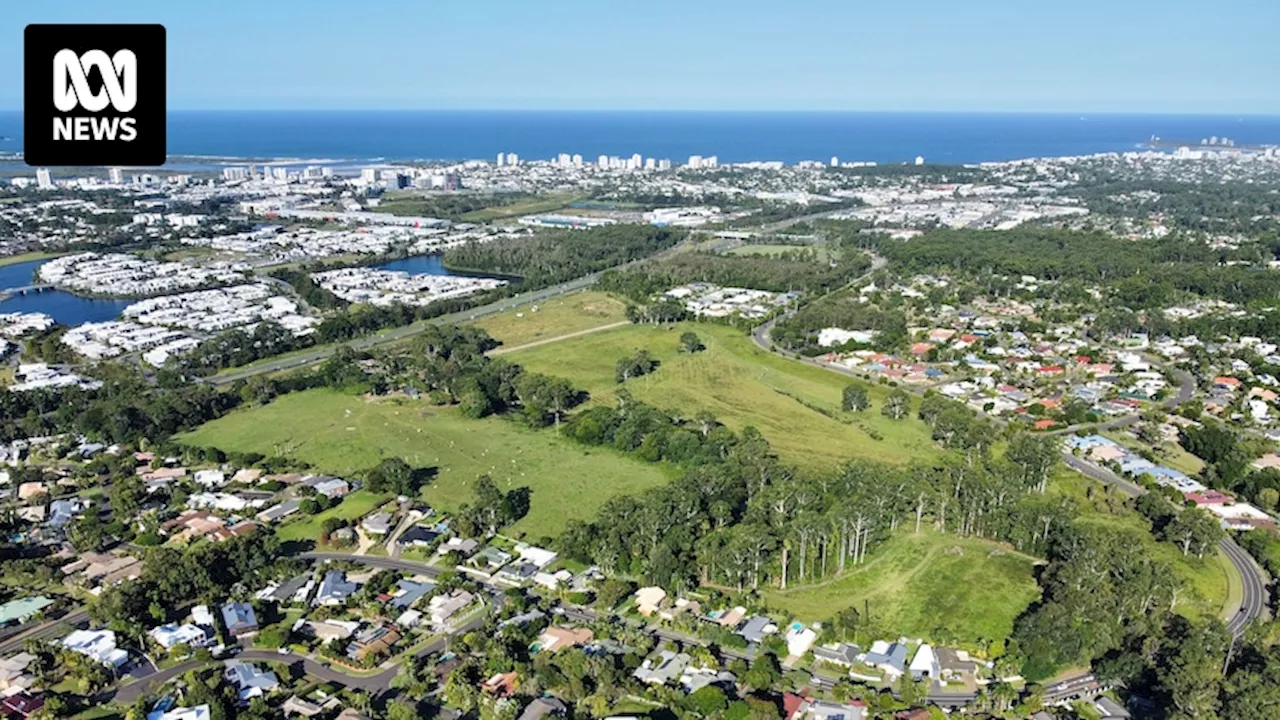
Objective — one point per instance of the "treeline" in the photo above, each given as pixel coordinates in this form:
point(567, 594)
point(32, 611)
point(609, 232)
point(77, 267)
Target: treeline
point(124, 410)
point(758, 272)
point(1143, 275)
point(741, 518)
point(1207, 207)
point(557, 256)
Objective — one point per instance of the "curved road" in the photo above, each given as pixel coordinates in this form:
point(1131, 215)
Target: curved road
point(1254, 598)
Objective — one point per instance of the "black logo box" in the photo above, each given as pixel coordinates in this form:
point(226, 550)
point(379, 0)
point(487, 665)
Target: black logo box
point(41, 43)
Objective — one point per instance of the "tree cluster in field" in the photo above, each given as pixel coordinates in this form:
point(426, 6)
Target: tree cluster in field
point(557, 256)
point(449, 207)
point(238, 347)
point(634, 366)
point(491, 509)
point(758, 272)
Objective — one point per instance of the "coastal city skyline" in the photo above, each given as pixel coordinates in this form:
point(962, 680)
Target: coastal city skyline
point(1142, 56)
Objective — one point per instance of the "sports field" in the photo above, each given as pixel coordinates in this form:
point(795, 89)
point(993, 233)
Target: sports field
point(795, 406)
point(345, 434)
point(943, 588)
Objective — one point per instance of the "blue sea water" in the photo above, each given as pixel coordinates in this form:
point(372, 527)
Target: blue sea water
point(363, 136)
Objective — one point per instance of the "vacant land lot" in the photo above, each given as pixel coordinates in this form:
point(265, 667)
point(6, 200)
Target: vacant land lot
point(929, 585)
point(795, 406)
point(343, 434)
point(554, 318)
point(353, 506)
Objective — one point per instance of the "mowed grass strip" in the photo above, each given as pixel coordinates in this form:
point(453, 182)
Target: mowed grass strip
point(554, 318)
point(741, 385)
point(344, 434)
point(930, 585)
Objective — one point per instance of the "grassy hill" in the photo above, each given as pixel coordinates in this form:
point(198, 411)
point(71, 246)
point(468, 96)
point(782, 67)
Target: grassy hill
point(930, 585)
point(795, 406)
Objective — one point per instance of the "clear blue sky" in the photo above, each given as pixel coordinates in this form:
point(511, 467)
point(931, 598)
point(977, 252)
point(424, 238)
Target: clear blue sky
point(967, 55)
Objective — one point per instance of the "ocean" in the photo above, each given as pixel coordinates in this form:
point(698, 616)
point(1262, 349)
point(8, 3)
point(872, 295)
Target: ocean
point(372, 136)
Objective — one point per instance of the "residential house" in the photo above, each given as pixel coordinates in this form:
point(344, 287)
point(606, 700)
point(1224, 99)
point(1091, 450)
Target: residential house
point(1109, 709)
point(376, 640)
point(377, 523)
point(843, 654)
point(21, 705)
point(334, 590)
point(464, 547)
point(799, 639)
point(199, 712)
point(823, 710)
point(19, 611)
point(410, 591)
point(210, 478)
point(14, 677)
point(501, 685)
point(239, 618)
point(662, 670)
point(281, 511)
point(925, 664)
point(542, 707)
point(558, 637)
point(327, 485)
point(956, 664)
point(890, 658)
point(757, 628)
point(649, 599)
point(250, 681)
point(167, 636)
point(99, 645)
point(417, 536)
point(443, 608)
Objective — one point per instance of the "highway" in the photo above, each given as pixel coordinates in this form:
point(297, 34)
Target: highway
point(49, 628)
point(395, 335)
point(391, 336)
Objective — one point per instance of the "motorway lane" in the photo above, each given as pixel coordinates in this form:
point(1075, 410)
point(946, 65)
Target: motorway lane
point(46, 629)
point(318, 354)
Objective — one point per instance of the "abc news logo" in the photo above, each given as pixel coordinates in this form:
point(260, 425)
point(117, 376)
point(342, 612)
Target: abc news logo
point(94, 95)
